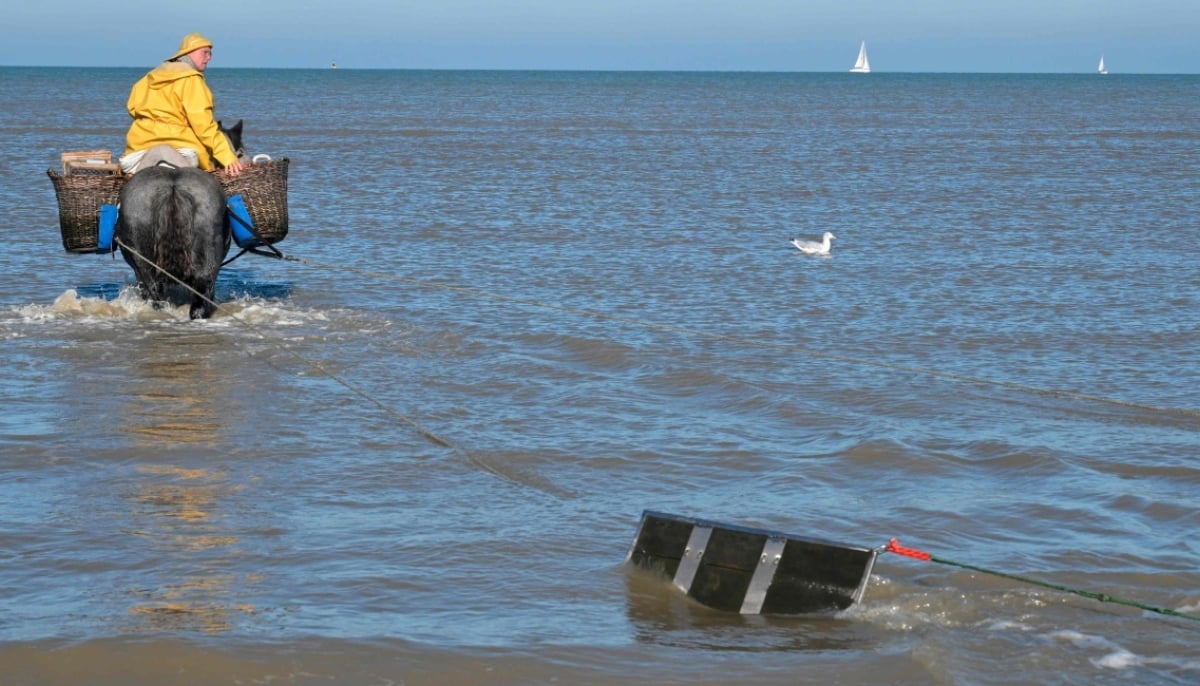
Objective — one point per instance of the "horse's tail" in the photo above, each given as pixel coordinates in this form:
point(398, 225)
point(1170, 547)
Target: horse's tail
point(172, 210)
point(175, 218)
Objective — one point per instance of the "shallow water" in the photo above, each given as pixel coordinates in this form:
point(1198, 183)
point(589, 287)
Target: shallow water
point(531, 305)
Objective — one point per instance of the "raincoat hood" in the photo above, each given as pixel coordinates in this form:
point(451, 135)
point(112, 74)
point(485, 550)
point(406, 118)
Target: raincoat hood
point(190, 42)
point(169, 72)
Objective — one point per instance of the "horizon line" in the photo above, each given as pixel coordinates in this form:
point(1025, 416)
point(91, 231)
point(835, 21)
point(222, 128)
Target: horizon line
point(616, 70)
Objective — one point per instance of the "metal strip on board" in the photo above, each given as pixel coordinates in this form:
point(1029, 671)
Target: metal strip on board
point(768, 562)
point(691, 557)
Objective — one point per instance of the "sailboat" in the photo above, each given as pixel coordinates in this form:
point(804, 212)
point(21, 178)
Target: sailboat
point(862, 65)
point(1102, 69)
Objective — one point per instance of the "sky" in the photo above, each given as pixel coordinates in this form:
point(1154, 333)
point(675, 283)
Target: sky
point(1021, 36)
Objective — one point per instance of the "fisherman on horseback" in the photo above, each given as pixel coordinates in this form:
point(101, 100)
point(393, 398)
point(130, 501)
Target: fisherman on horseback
point(173, 224)
point(172, 110)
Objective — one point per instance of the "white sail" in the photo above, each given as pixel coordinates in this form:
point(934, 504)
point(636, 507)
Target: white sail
point(862, 65)
point(1102, 69)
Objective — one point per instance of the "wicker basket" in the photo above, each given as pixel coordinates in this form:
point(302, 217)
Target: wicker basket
point(263, 185)
point(79, 199)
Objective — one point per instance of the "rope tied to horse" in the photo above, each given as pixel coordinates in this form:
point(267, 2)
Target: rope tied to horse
point(416, 426)
point(893, 546)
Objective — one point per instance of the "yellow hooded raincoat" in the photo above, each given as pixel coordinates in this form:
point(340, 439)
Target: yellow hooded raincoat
point(172, 105)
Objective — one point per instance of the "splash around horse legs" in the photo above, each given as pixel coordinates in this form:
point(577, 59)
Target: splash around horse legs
point(173, 231)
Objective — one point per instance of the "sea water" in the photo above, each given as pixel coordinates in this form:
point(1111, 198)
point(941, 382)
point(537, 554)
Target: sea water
point(522, 307)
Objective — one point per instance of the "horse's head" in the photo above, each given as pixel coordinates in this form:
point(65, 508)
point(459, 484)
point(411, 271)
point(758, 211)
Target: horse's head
point(234, 135)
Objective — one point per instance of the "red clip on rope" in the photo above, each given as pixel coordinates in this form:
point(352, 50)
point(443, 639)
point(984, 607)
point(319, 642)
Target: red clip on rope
point(894, 546)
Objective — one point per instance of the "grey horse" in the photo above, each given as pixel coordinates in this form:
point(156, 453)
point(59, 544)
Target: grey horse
point(173, 230)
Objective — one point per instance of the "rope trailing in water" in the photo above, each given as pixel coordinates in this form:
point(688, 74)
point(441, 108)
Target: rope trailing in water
point(894, 546)
point(426, 433)
point(413, 423)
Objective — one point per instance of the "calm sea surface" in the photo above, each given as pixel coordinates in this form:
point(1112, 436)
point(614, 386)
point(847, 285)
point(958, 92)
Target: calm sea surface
point(532, 305)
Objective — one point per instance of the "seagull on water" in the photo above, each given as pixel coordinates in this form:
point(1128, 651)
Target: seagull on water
point(814, 248)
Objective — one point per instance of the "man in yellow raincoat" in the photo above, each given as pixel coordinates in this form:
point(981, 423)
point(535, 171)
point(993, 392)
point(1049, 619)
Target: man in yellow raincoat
point(172, 110)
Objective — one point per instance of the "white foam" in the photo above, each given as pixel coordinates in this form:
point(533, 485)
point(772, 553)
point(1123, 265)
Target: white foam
point(1009, 625)
point(70, 305)
point(130, 306)
point(1081, 639)
point(1119, 659)
point(1114, 657)
point(250, 310)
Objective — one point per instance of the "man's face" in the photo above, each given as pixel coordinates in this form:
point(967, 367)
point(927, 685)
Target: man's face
point(200, 57)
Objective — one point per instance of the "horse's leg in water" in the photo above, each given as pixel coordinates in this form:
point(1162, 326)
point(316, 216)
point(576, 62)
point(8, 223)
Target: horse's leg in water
point(202, 302)
point(210, 237)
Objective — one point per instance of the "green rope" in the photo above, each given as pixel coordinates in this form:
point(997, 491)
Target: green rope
point(1102, 597)
point(895, 547)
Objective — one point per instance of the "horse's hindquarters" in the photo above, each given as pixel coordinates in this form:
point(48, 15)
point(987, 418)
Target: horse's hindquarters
point(173, 231)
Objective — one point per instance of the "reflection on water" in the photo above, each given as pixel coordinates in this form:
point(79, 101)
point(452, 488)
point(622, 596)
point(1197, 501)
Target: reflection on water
point(177, 390)
point(662, 615)
point(178, 400)
point(253, 289)
point(108, 290)
point(180, 515)
point(231, 284)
